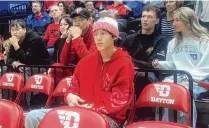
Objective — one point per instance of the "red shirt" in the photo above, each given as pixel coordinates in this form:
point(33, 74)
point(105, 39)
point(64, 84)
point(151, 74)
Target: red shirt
point(117, 10)
point(78, 48)
point(108, 86)
point(52, 34)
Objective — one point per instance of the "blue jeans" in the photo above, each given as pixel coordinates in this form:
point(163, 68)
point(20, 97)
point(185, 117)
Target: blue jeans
point(34, 118)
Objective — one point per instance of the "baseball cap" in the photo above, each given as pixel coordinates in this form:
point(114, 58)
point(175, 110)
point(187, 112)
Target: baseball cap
point(81, 12)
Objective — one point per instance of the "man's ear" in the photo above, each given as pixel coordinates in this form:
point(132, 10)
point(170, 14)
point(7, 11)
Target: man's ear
point(157, 21)
point(90, 19)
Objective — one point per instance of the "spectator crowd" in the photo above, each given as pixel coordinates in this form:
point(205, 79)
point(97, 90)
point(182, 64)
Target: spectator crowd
point(106, 41)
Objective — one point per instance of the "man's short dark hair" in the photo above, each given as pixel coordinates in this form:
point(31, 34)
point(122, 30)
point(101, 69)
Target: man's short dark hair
point(19, 22)
point(154, 8)
point(38, 2)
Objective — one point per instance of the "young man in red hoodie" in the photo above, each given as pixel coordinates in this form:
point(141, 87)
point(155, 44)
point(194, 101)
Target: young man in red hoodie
point(103, 81)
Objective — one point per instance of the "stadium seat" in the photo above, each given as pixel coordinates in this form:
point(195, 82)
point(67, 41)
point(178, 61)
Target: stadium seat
point(164, 94)
point(40, 83)
point(61, 88)
point(73, 117)
point(11, 115)
point(13, 81)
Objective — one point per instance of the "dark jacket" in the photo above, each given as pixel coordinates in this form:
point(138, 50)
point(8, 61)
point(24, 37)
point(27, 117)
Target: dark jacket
point(32, 51)
point(155, 50)
point(58, 46)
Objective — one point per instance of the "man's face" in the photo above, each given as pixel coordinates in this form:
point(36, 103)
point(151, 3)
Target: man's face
point(55, 12)
point(103, 39)
point(149, 20)
point(81, 22)
point(36, 8)
point(18, 31)
point(90, 6)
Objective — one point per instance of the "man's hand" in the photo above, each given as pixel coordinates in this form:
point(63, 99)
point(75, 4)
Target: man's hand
point(15, 64)
point(14, 41)
point(69, 37)
point(75, 31)
point(74, 100)
point(155, 63)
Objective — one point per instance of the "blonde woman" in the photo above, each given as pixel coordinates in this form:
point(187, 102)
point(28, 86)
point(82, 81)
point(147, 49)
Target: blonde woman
point(189, 50)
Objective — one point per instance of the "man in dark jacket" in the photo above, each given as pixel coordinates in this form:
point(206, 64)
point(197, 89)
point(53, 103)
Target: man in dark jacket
point(27, 47)
point(145, 46)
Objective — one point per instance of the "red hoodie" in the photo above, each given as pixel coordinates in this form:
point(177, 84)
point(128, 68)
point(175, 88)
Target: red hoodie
point(78, 47)
point(108, 86)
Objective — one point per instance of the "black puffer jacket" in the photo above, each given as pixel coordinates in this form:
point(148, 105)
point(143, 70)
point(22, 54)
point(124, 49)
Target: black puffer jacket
point(32, 51)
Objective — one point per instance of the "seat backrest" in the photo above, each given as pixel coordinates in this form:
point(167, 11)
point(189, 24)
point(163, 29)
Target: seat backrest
point(39, 83)
point(164, 94)
point(61, 88)
point(73, 117)
point(11, 115)
point(12, 80)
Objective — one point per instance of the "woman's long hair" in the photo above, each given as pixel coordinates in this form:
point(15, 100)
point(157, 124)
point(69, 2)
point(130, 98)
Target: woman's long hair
point(189, 18)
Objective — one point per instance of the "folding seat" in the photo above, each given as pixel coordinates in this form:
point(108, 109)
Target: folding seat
point(41, 83)
point(11, 115)
point(61, 88)
point(73, 117)
point(168, 95)
point(12, 81)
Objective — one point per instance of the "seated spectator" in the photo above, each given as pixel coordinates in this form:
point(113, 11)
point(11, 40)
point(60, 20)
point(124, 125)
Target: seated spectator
point(48, 4)
point(65, 24)
point(77, 4)
point(38, 21)
point(27, 47)
point(117, 9)
point(94, 12)
point(100, 96)
point(145, 46)
point(64, 8)
point(79, 42)
point(188, 51)
point(53, 30)
point(136, 7)
point(166, 22)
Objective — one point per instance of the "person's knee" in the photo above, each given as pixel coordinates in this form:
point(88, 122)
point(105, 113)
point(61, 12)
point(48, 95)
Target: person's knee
point(32, 116)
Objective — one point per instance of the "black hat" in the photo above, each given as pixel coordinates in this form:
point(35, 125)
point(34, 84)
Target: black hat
point(81, 12)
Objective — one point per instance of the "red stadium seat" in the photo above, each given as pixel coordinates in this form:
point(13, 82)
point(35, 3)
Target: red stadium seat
point(61, 88)
point(11, 115)
point(168, 95)
point(13, 81)
point(40, 83)
point(73, 117)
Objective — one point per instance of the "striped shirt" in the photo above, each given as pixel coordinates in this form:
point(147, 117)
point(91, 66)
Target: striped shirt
point(167, 29)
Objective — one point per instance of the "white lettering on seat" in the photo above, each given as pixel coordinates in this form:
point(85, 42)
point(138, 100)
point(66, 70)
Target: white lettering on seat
point(69, 119)
point(37, 86)
point(162, 100)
